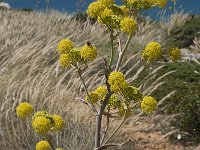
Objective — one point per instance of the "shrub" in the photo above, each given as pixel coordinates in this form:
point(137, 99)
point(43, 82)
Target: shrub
point(183, 36)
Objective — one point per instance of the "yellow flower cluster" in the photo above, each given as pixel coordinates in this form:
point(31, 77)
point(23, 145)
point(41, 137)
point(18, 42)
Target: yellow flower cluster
point(128, 25)
point(88, 52)
point(65, 60)
point(93, 97)
point(152, 52)
point(148, 104)
point(112, 15)
point(43, 122)
point(70, 55)
point(146, 4)
point(101, 91)
point(41, 125)
point(23, 110)
point(174, 54)
point(132, 93)
point(95, 8)
point(58, 123)
point(43, 145)
point(65, 46)
point(117, 81)
point(114, 101)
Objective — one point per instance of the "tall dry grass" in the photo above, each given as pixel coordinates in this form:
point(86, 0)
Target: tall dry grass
point(29, 71)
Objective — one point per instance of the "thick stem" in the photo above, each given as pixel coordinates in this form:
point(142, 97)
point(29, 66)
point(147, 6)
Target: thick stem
point(106, 129)
point(121, 54)
point(99, 120)
point(118, 127)
point(101, 111)
point(112, 50)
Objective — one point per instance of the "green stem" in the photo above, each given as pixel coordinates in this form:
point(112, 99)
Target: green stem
point(121, 54)
point(112, 51)
point(124, 117)
point(84, 85)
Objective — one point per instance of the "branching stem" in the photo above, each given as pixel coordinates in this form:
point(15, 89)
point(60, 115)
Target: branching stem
point(121, 54)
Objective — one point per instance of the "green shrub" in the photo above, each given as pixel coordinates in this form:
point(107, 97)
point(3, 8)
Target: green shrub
point(183, 36)
point(186, 101)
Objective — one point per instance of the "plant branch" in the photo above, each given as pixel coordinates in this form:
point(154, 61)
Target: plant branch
point(79, 73)
point(101, 111)
point(112, 50)
point(121, 54)
point(118, 127)
point(106, 129)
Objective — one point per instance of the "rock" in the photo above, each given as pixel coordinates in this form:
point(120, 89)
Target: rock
point(4, 5)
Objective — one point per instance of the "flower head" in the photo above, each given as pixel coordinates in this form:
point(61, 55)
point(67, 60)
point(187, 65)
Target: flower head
point(148, 104)
point(114, 101)
point(58, 123)
point(107, 3)
point(174, 54)
point(101, 91)
point(117, 81)
point(23, 110)
point(152, 52)
point(43, 145)
point(103, 18)
point(95, 8)
point(75, 55)
point(41, 124)
point(128, 25)
point(88, 53)
point(65, 45)
point(132, 93)
point(140, 4)
point(65, 60)
point(93, 97)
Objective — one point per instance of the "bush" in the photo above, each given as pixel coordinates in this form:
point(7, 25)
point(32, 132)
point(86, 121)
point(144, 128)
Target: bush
point(186, 101)
point(183, 36)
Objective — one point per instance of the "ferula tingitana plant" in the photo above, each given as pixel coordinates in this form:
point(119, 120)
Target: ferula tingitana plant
point(116, 97)
point(116, 94)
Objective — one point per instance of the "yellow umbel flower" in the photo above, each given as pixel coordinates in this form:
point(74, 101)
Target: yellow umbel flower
point(65, 60)
point(65, 45)
point(117, 81)
point(41, 124)
point(103, 17)
point(107, 3)
point(128, 25)
point(148, 104)
point(75, 55)
point(152, 52)
point(93, 97)
point(43, 145)
point(23, 110)
point(114, 101)
point(95, 8)
point(101, 91)
point(58, 123)
point(132, 93)
point(174, 54)
point(140, 4)
point(88, 53)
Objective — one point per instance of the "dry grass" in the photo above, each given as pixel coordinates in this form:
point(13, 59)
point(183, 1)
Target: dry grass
point(29, 71)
